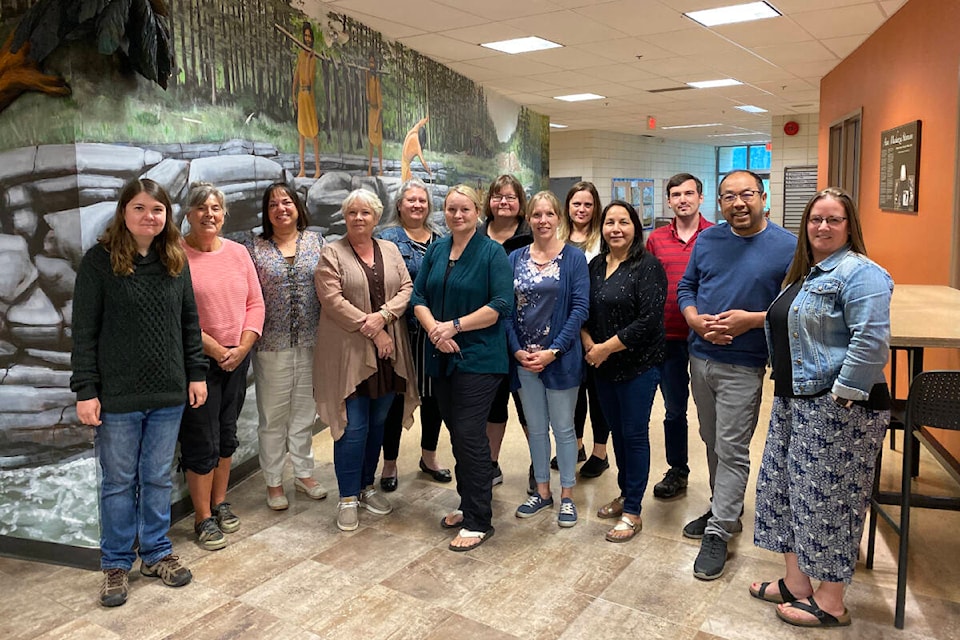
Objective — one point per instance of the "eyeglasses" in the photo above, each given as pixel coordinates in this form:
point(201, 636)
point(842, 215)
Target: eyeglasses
point(747, 196)
point(832, 221)
point(510, 199)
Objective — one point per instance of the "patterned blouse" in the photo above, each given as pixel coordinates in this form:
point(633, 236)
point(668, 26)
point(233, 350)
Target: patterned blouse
point(288, 291)
point(537, 287)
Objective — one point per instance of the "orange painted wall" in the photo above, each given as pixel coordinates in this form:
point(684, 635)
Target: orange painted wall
point(907, 70)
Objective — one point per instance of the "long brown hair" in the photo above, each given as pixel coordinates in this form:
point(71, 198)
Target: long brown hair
point(803, 256)
point(120, 242)
point(566, 223)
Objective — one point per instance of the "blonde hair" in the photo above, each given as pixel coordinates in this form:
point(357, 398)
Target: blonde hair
point(543, 195)
point(367, 198)
point(467, 191)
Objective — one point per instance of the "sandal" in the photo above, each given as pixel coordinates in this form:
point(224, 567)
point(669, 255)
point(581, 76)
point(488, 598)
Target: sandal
point(624, 524)
point(447, 525)
point(466, 533)
point(822, 618)
point(613, 509)
point(782, 595)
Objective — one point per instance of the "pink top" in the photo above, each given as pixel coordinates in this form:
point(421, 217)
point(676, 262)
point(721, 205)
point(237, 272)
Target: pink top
point(227, 289)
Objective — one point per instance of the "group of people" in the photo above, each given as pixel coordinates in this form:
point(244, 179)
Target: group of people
point(565, 306)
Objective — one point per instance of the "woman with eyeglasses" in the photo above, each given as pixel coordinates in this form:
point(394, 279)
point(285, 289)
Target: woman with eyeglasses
point(828, 335)
point(504, 222)
point(286, 255)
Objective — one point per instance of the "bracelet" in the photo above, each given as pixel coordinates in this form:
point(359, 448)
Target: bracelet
point(387, 316)
point(456, 325)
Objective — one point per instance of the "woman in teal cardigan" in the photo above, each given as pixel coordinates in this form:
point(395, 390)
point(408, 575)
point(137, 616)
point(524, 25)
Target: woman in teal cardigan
point(463, 291)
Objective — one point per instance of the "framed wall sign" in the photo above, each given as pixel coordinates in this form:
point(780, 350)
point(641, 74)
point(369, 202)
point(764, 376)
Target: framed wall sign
point(900, 167)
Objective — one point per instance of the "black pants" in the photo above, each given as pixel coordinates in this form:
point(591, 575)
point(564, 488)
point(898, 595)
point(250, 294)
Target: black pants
point(209, 432)
point(601, 431)
point(464, 400)
point(430, 422)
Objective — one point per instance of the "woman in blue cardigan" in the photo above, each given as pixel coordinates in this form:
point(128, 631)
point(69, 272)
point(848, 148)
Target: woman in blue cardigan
point(552, 286)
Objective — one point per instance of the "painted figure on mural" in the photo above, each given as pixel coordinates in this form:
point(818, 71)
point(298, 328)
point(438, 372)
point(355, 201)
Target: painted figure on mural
point(374, 116)
point(304, 74)
point(412, 148)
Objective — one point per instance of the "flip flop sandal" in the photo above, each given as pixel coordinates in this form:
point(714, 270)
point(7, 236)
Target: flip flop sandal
point(447, 525)
point(782, 595)
point(625, 524)
point(466, 533)
point(823, 619)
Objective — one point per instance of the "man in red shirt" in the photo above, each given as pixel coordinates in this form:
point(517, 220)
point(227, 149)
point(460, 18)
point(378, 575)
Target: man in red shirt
point(672, 245)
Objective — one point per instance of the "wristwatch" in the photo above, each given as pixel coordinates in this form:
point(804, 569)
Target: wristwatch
point(456, 325)
point(841, 402)
point(387, 316)
point(556, 353)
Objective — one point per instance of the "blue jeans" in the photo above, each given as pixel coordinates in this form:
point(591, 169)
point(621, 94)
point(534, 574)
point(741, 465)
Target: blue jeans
point(357, 452)
point(675, 388)
point(626, 406)
point(135, 451)
point(546, 408)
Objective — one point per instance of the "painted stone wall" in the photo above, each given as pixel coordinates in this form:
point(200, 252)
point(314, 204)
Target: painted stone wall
point(227, 118)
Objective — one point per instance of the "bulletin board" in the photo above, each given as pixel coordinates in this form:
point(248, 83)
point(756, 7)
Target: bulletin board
point(639, 193)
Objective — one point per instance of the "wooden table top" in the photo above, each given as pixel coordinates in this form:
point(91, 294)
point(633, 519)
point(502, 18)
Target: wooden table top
point(925, 315)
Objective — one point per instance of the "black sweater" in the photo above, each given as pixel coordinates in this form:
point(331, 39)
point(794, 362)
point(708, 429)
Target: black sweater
point(136, 338)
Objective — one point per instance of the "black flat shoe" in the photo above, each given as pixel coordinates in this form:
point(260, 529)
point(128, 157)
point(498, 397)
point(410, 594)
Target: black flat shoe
point(388, 484)
point(439, 475)
point(594, 467)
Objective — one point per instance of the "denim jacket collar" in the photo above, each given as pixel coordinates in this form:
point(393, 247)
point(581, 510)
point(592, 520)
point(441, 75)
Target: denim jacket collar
point(830, 262)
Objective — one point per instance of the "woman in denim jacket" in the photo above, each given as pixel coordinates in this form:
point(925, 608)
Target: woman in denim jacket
point(413, 233)
point(828, 334)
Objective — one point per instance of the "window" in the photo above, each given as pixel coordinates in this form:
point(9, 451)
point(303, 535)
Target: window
point(843, 164)
point(754, 157)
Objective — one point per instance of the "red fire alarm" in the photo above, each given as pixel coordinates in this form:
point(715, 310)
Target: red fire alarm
point(651, 122)
point(791, 128)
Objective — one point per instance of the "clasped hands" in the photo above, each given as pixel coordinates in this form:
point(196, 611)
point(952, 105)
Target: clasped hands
point(372, 327)
point(442, 337)
point(722, 328)
point(535, 361)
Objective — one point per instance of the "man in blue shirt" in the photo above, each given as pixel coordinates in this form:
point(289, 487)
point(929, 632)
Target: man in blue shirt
point(734, 273)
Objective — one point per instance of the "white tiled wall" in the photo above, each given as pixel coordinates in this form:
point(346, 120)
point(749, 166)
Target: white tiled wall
point(788, 151)
point(601, 156)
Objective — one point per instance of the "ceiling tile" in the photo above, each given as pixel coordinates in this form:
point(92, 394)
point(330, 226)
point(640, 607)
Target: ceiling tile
point(862, 19)
point(636, 19)
point(566, 27)
point(783, 55)
point(425, 15)
point(443, 48)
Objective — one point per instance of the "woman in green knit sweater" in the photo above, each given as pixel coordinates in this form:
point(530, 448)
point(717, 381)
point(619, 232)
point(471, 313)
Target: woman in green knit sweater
point(137, 358)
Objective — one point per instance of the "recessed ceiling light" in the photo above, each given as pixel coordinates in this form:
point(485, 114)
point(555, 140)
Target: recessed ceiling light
point(712, 84)
point(749, 108)
point(521, 45)
point(694, 126)
point(557, 125)
point(734, 13)
point(579, 97)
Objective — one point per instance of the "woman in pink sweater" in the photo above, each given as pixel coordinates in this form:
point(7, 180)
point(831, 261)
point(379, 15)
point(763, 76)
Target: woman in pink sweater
point(231, 311)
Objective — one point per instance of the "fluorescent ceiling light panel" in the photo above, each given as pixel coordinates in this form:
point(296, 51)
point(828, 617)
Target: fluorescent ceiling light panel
point(713, 84)
point(521, 45)
point(749, 108)
point(557, 125)
point(579, 97)
point(694, 126)
point(732, 14)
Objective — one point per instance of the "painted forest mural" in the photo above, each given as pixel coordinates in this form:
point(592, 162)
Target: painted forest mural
point(258, 92)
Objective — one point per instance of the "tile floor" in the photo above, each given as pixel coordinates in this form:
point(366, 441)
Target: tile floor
point(293, 575)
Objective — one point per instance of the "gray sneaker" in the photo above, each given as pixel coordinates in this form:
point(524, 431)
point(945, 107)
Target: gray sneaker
point(169, 569)
point(227, 520)
point(711, 559)
point(695, 528)
point(113, 591)
point(374, 502)
point(209, 535)
point(347, 517)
